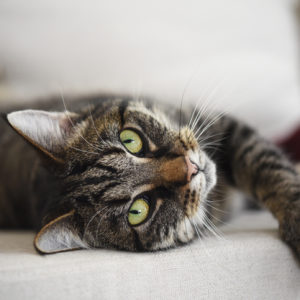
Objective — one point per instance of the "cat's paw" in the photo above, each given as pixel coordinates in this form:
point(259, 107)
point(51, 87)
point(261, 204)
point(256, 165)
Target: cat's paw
point(290, 231)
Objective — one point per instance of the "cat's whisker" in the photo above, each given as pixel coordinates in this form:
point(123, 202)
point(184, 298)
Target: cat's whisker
point(97, 132)
point(204, 221)
point(195, 228)
point(204, 138)
point(216, 208)
point(182, 98)
point(213, 145)
point(72, 123)
point(93, 122)
point(207, 113)
point(212, 228)
point(206, 103)
point(212, 122)
point(209, 116)
point(84, 151)
point(204, 108)
point(198, 116)
point(202, 111)
point(91, 219)
point(215, 119)
point(99, 223)
point(210, 215)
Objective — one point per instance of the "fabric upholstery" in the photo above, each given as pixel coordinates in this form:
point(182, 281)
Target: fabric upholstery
point(249, 263)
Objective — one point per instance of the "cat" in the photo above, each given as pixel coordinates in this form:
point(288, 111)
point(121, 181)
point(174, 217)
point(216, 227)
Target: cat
point(134, 175)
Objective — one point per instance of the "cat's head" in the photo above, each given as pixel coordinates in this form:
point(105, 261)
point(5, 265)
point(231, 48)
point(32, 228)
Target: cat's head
point(130, 178)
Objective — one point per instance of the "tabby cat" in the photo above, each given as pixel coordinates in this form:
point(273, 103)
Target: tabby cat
point(125, 174)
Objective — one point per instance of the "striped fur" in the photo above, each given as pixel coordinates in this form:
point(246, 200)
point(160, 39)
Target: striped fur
point(89, 172)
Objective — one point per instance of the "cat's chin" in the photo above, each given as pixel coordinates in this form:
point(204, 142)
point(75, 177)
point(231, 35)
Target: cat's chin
point(210, 172)
point(202, 184)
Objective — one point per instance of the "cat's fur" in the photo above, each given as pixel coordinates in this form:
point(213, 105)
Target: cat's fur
point(68, 175)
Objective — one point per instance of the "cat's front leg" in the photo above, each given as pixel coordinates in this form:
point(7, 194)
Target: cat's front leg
point(260, 169)
point(290, 227)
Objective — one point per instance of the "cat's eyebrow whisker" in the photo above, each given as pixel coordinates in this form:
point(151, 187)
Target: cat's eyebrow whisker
point(100, 138)
point(94, 122)
point(72, 123)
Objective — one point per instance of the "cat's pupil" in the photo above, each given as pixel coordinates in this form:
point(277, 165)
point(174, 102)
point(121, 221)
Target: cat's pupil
point(128, 141)
point(135, 212)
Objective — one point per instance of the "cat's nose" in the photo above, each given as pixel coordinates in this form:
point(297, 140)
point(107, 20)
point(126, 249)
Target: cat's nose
point(192, 168)
point(178, 170)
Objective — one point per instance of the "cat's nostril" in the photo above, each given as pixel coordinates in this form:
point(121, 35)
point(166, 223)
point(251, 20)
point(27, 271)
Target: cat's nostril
point(192, 168)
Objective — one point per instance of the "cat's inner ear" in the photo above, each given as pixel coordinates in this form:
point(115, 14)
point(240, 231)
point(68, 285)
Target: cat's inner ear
point(48, 131)
point(58, 236)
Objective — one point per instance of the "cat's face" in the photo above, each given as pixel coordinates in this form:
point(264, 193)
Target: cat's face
point(133, 179)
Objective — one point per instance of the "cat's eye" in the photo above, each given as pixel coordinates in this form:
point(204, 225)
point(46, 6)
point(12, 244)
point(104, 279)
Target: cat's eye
point(131, 140)
point(138, 212)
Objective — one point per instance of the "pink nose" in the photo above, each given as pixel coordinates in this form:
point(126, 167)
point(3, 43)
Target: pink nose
point(192, 168)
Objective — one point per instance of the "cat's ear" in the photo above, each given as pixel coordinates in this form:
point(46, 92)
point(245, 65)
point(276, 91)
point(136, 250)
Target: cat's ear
point(58, 236)
point(47, 131)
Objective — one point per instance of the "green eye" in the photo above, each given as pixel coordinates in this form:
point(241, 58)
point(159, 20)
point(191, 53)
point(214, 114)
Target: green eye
point(138, 212)
point(131, 140)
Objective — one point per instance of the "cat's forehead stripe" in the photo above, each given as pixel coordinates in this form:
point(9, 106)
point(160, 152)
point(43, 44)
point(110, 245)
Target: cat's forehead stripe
point(156, 131)
point(122, 108)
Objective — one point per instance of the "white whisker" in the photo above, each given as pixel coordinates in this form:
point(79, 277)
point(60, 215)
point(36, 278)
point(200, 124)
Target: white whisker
point(91, 219)
point(72, 123)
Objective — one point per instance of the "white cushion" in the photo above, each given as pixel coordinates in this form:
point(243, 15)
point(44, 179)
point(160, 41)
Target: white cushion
point(251, 262)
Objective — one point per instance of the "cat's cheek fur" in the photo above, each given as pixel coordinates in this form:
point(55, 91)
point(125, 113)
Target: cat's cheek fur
point(59, 236)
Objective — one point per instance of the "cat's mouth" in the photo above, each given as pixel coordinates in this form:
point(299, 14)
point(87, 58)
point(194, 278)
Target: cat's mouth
point(202, 175)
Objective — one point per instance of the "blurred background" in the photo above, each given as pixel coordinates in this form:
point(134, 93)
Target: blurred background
point(240, 55)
